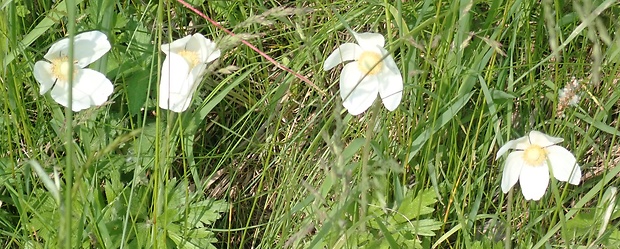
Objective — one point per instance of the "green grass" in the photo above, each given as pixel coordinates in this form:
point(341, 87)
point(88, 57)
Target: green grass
point(263, 160)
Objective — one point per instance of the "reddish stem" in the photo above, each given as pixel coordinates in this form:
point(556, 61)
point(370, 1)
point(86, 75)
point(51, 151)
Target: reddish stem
point(278, 64)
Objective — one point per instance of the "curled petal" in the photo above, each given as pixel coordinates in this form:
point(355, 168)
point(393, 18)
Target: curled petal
point(564, 165)
point(346, 52)
point(390, 84)
point(43, 74)
point(534, 181)
point(542, 139)
point(212, 52)
point(369, 40)
point(512, 170)
point(357, 92)
point(175, 84)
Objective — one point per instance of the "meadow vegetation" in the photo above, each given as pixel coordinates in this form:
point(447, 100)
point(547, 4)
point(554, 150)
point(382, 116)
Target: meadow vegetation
point(263, 158)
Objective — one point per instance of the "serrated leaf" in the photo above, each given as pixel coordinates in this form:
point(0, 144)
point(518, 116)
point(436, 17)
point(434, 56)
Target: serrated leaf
point(415, 205)
point(423, 227)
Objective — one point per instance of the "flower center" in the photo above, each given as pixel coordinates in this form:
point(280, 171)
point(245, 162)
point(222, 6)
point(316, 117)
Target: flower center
point(60, 68)
point(534, 155)
point(191, 57)
point(370, 63)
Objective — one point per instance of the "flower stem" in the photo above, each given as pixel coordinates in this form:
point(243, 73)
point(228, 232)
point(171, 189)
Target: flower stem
point(507, 237)
point(365, 157)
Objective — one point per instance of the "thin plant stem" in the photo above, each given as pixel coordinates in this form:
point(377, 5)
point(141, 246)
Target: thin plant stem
point(66, 208)
point(263, 54)
point(508, 238)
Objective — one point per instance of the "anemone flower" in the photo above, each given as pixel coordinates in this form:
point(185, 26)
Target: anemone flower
point(90, 88)
point(185, 63)
point(373, 71)
point(530, 161)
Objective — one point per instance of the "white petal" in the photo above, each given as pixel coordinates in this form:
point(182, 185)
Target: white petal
point(369, 40)
point(512, 170)
point(519, 143)
point(90, 46)
point(60, 93)
point(346, 52)
point(176, 82)
point(212, 52)
point(542, 139)
point(390, 84)
point(176, 46)
point(357, 96)
point(534, 181)
point(564, 165)
point(43, 74)
point(91, 88)
point(205, 48)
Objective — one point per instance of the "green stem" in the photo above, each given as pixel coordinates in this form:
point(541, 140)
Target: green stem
point(66, 207)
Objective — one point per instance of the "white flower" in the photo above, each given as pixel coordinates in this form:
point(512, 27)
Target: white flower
point(185, 63)
point(530, 161)
point(372, 71)
point(90, 88)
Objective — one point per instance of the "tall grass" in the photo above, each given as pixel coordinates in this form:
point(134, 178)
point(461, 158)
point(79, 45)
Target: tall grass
point(263, 159)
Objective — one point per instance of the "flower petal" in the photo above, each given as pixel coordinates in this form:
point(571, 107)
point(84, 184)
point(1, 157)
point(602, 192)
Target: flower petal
point(390, 83)
point(534, 181)
point(512, 170)
point(564, 164)
point(519, 143)
point(346, 52)
point(88, 47)
point(175, 46)
point(357, 96)
point(543, 140)
point(175, 84)
point(43, 74)
point(369, 40)
point(206, 49)
point(91, 88)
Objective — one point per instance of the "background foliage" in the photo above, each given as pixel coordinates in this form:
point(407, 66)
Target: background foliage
point(263, 160)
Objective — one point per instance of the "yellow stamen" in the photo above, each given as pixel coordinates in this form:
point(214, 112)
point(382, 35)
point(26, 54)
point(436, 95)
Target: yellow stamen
point(191, 57)
point(60, 68)
point(370, 63)
point(535, 155)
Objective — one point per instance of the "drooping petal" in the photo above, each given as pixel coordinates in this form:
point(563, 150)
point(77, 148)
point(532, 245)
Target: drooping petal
point(563, 164)
point(390, 83)
point(534, 181)
point(369, 40)
point(542, 139)
point(512, 144)
point(175, 83)
point(346, 52)
point(176, 45)
point(357, 95)
point(43, 74)
point(512, 170)
point(90, 46)
point(91, 88)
